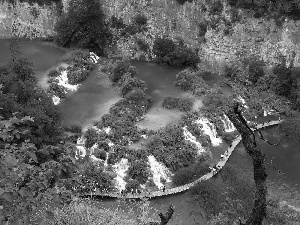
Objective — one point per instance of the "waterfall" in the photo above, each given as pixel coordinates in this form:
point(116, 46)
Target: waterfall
point(243, 102)
point(55, 99)
point(120, 169)
point(191, 138)
point(210, 130)
point(159, 171)
point(229, 127)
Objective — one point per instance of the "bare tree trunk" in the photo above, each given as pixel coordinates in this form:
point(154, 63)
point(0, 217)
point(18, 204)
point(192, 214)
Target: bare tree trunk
point(258, 212)
point(164, 219)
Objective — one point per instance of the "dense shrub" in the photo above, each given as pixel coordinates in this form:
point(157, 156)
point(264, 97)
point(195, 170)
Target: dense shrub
point(57, 90)
point(139, 171)
point(99, 153)
point(189, 174)
point(181, 56)
point(202, 29)
point(256, 69)
point(118, 70)
point(21, 93)
point(83, 26)
point(91, 137)
point(73, 128)
point(131, 83)
point(53, 72)
point(189, 80)
point(169, 147)
point(209, 194)
point(170, 102)
point(162, 47)
point(77, 75)
point(143, 46)
point(132, 186)
point(140, 20)
point(116, 22)
point(138, 95)
point(183, 104)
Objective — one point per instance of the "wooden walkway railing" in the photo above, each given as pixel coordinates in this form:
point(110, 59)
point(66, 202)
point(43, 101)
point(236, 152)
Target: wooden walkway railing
point(185, 187)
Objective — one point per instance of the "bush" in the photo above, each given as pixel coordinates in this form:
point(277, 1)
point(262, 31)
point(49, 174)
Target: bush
point(140, 20)
point(163, 46)
point(185, 104)
point(143, 46)
point(256, 69)
point(83, 26)
point(181, 56)
point(132, 83)
point(57, 90)
point(91, 137)
point(77, 75)
point(119, 70)
point(116, 22)
point(202, 29)
point(73, 129)
point(53, 72)
point(138, 170)
point(170, 102)
point(100, 154)
point(189, 174)
point(132, 185)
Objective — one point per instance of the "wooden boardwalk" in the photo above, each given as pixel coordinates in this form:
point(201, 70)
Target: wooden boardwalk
point(185, 187)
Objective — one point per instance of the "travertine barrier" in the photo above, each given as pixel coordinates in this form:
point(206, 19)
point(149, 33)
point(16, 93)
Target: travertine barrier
point(185, 187)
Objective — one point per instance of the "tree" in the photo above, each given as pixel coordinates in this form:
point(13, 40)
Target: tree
point(83, 26)
point(258, 212)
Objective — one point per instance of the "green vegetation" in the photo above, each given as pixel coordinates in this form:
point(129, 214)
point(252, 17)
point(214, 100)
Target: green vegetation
point(169, 147)
point(189, 174)
point(81, 25)
point(183, 104)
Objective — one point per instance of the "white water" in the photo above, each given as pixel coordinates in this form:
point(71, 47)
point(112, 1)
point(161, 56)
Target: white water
point(55, 99)
point(120, 169)
point(191, 138)
point(159, 171)
point(229, 127)
point(243, 102)
point(210, 130)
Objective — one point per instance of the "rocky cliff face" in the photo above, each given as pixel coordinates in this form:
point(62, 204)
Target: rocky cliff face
point(255, 37)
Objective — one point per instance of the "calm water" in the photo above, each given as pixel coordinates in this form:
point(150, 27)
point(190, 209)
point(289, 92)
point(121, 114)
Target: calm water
point(44, 55)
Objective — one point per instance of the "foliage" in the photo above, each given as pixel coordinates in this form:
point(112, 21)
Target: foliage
point(91, 137)
point(181, 56)
point(116, 22)
point(20, 93)
point(76, 75)
point(290, 128)
point(29, 175)
point(83, 26)
point(162, 47)
point(132, 186)
point(140, 20)
point(189, 174)
point(53, 72)
point(138, 170)
point(86, 212)
point(99, 153)
point(189, 80)
point(132, 83)
point(183, 104)
point(57, 90)
point(119, 69)
point(169, 147)
point(143, 46)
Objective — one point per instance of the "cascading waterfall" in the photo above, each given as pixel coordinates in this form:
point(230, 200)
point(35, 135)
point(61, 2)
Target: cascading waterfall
point(191, 138)
point(120, 169)
point(159, 171)
point(229, 127)
point(210, 130)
